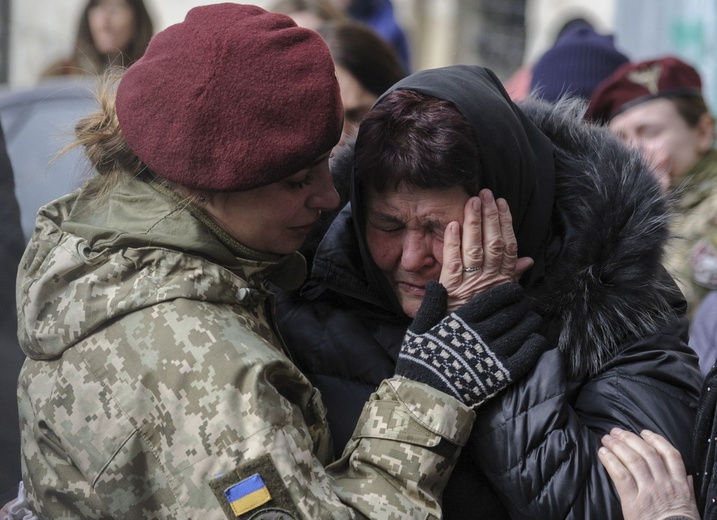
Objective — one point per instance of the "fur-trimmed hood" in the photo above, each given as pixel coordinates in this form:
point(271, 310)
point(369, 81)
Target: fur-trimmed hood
point(606, 284)
point(602, 283)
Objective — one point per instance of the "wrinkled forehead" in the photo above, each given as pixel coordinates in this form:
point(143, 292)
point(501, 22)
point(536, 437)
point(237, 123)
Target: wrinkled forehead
point(417, 205)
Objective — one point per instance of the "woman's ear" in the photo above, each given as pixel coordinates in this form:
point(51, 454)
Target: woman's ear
point(705, 132)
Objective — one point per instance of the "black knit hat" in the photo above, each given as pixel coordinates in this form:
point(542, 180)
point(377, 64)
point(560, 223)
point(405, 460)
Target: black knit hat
point(575, 65)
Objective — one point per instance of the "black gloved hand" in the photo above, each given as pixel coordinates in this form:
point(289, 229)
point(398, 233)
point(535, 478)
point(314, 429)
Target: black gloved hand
point(476, 351)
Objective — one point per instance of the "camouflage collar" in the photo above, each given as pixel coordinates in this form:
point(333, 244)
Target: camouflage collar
point(699, 183)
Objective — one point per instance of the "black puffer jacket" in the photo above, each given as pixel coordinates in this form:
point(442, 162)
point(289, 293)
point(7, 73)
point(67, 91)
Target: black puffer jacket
point(614, 317)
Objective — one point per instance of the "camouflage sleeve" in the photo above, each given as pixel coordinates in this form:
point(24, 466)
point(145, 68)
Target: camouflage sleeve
point(691, 252)
point(182, 411)
point(408, 437)
point(396, 467)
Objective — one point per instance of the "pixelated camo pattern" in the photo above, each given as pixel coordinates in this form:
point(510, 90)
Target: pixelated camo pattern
point(456, 355)
point(151, 372)
point(695, 219)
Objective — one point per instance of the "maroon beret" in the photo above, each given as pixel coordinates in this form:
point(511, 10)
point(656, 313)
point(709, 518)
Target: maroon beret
point(635, 83)
point(231, 99)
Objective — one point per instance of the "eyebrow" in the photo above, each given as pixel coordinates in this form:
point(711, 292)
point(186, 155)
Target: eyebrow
point(390, 218)
point(379, 215)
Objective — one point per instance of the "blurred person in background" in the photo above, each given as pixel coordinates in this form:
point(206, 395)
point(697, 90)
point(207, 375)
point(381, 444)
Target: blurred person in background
point(310, 13)
point(578, 61)
point(366, 66)
point(11, 357)
point(376, 14)
point(379, 15)
point(657, 106)
point(110, 33)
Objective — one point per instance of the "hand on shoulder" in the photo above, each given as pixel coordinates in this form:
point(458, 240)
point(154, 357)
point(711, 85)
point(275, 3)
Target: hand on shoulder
point(649, 475)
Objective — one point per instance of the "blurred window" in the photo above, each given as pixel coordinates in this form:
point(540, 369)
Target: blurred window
point(38, 122)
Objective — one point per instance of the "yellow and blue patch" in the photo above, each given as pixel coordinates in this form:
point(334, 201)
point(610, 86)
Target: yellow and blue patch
point(254, 490)
point(248, 494)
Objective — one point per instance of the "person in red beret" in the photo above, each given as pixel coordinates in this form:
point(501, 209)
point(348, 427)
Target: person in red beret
point(658, 107)
point(156, 385)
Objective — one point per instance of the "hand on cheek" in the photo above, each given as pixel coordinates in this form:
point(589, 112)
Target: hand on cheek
point(484, 253)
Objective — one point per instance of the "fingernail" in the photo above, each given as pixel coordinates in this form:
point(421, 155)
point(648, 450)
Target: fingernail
point(475, 204)
point(616, 431)
point(645, 433)
point(486, 195)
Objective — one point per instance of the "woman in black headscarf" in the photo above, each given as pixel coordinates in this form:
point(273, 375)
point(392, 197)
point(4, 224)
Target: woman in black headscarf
point(588, 214)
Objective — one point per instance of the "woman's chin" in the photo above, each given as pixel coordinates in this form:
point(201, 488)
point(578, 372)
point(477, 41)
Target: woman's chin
point(410, 306)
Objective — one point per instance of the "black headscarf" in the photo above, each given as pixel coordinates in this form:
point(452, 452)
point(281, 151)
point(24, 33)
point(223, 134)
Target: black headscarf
point(516, 159)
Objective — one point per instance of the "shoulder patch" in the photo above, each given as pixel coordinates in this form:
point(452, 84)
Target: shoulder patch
point(248, 494)
point(254, 491)
point(704, 263)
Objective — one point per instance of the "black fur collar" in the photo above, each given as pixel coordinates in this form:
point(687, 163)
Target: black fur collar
point(606, 285)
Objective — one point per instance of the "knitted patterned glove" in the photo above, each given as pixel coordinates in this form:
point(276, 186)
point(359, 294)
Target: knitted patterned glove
point(476, 351)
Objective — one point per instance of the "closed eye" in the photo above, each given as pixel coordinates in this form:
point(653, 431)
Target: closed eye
point(298, 185)
point(385, 224)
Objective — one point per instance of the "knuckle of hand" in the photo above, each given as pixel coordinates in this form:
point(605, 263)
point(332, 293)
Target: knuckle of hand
point(497, 246)
point(634, 459)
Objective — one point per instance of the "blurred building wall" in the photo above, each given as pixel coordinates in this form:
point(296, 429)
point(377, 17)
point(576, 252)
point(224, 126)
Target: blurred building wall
point(499, 34)
point(35, 33)
point(686, 29)
point(495, 33)
point(43, 31)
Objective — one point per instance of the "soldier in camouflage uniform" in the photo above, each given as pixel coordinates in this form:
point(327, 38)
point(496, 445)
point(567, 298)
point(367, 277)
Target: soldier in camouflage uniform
point(692, 252)
point(156, 385)
point(658, 106)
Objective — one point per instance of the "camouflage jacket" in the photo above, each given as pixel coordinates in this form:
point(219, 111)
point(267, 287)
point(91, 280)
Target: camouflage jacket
point(156, 387)
point(691, 253)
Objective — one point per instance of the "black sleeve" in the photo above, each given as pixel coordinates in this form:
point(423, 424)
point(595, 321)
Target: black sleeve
point(538, 442)
point(12, 245)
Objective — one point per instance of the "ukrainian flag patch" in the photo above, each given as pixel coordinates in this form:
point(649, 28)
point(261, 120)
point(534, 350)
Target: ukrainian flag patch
point(248, 494)
point(254, 490)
